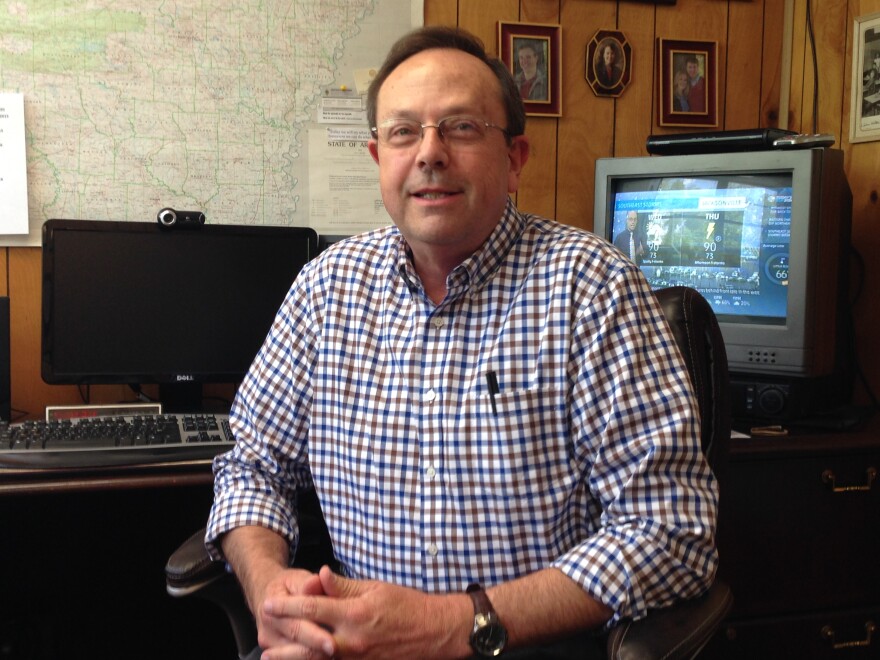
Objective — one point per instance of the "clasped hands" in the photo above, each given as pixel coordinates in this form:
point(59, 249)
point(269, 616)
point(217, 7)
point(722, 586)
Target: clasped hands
point(324, 615)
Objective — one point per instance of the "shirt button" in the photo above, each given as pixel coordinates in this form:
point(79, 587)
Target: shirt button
point(438, 322)
point(429, 396)
point(431, 472)
point(432, 550)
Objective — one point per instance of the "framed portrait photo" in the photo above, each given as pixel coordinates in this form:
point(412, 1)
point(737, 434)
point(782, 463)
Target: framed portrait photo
point(533, 54)
point(608, 63)
point(864, 111)
point(688, 83)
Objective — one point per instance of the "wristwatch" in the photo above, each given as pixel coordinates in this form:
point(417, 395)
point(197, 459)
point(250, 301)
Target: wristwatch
point(489, 636)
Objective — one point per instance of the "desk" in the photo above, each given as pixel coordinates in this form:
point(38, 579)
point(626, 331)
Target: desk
point(83, 555)
point(161, 475)
point(799, 538)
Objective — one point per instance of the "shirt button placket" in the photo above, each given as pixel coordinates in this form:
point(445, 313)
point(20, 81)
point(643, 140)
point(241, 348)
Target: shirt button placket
point(436, 348)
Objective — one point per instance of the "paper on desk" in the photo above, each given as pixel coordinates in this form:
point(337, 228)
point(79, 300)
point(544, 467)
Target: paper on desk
point(13, 165)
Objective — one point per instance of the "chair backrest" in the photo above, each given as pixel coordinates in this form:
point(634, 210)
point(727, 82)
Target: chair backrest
point(699, 339)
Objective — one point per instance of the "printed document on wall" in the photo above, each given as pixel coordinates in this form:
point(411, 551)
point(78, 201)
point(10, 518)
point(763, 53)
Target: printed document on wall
point(344, 181)
point(13, 166)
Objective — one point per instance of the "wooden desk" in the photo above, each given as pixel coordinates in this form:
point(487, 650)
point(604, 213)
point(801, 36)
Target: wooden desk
point(82, 557)
point(159, 475)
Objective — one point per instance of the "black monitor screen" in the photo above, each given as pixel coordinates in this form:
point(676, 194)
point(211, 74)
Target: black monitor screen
point(131, 302)
point(727, 236)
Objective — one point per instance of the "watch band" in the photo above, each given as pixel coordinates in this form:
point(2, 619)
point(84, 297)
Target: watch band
point(482, 604)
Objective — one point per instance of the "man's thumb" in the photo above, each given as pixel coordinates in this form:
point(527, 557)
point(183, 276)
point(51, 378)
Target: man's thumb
point(335, 585)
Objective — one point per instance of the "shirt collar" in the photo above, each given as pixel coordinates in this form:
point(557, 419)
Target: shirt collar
point(475, 271)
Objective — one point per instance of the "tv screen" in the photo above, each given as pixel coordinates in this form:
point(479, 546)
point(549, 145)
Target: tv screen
point(132, 302)
point(727, 235)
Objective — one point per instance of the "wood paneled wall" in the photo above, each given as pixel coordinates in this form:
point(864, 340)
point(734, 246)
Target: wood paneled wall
point(558, 181)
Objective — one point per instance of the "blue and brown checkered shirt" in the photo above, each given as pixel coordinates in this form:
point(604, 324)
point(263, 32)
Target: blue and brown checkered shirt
point(589, 460)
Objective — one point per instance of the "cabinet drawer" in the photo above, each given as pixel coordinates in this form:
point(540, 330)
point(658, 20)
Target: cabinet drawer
point(801, 533)
point(853, 634)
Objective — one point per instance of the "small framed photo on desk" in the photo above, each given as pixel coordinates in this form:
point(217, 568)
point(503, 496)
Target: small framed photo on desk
point(864, 123)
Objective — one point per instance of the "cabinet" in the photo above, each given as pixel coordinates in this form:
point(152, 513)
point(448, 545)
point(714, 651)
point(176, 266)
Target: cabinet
point(799, 540)
point(83, 556)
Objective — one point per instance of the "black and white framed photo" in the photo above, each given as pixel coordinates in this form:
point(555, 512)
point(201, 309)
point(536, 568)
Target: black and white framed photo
point(864, 124)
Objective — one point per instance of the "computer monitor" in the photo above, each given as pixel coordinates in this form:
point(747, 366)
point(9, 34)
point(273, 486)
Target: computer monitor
point(764, 236)
point(137, 303)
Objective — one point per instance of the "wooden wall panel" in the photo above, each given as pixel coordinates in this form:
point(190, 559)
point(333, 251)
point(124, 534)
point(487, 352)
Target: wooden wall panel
point(539, 11)
point(586, 131)
point(441, 12)
point(801, 87)
point(771, 63)
point(635, 111)
point(745, 38)
point(482, 17)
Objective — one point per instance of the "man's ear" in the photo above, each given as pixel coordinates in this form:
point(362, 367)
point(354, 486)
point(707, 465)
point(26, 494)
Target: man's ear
point(373, 148)
point(517, 154)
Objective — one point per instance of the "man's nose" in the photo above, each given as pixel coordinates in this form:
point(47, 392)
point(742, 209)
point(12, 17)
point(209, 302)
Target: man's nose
point(433, 151)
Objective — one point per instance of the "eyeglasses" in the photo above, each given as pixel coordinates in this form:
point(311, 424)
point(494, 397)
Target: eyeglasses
point(455, 130)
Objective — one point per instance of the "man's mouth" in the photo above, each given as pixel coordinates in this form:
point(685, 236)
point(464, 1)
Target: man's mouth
point(432, 195)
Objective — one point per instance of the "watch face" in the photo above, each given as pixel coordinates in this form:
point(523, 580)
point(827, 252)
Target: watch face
point(489, 640)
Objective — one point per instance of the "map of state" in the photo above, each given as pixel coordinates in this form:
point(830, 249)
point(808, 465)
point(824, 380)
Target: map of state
point(201, 105)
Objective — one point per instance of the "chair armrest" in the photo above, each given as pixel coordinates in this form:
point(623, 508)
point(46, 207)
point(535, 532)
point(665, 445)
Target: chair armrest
point(191, 568)
point(190, 571)
point(678, 631)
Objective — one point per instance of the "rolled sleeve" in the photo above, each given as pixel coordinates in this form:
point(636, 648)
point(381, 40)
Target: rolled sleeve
point(639, 431)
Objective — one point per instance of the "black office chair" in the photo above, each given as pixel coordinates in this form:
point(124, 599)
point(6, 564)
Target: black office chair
point(679, 631)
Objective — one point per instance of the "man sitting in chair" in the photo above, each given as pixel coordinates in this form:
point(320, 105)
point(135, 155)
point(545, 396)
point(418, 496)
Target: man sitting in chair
point(498, 425)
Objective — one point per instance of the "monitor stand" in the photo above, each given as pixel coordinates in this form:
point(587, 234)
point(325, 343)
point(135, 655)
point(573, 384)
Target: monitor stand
point(181, 397)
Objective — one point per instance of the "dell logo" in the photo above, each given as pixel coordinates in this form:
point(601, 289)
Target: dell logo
point(185, 378)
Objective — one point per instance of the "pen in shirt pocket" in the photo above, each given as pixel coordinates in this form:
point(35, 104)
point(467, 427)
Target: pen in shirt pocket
point(492, 384)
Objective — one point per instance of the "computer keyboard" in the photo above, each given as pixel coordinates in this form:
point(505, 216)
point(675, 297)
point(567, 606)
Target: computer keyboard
point(113, 441)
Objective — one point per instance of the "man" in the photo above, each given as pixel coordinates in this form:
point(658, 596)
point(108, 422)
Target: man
point(608, 72)
point(479, 396)
point(697, 83)
point(629, 241)
point(531, 79)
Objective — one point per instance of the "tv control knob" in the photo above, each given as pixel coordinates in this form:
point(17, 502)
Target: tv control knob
point(771, 400)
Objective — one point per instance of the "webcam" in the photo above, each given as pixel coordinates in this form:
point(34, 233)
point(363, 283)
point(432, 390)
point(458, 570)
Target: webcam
point(169, 218)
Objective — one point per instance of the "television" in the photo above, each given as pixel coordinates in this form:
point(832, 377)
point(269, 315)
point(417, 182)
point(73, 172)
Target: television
point(138, 303)
point(764, 236)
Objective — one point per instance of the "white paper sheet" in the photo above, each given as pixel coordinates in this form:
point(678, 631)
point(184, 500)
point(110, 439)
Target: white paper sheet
point(13, 166)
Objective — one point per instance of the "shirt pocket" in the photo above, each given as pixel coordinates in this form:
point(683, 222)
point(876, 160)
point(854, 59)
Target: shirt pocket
point(520, 448)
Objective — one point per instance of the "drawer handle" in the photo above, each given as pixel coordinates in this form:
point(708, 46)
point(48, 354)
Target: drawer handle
point(828, 477)
point(828, 633)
